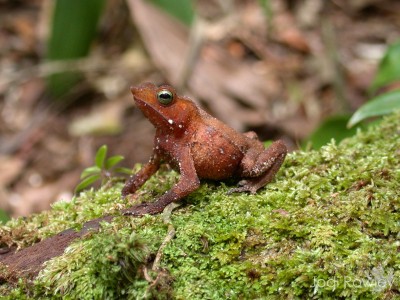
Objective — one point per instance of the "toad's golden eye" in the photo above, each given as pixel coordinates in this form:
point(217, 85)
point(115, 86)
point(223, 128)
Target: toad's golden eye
point(165, 97)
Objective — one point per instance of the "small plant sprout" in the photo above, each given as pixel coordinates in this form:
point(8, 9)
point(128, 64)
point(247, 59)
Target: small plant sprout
point(103, 170)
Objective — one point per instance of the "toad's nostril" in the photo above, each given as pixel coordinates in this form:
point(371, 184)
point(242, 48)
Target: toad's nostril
point(134, 89)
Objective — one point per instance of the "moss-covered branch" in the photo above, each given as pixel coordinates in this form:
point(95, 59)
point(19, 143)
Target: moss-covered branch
point(327, 227)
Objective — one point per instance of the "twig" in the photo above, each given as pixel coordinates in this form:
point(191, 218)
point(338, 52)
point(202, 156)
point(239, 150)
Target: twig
point(156, 264)
point(170, 235)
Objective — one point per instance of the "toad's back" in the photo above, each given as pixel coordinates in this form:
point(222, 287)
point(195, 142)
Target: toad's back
point(217, 149)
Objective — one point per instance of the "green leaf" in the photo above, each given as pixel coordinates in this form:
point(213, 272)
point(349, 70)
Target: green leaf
point(112, 161)
point(3, 217)
point(389, 68)
point(378, 106)
point(180, 9)
point(332, 128)
point(124, 171)
point(73, 29)
point(267, 143)
point(101, 156)
point(90, 171)
point(266, 7)
point(86, 182)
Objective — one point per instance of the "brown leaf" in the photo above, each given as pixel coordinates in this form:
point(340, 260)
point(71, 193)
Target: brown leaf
point(216, 78)
point(10, 168)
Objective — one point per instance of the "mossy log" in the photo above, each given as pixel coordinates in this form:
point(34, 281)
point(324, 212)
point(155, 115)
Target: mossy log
point(328, 226)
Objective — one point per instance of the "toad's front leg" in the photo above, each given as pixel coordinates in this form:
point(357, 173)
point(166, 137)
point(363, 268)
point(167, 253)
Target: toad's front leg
point(137, 180)
point(260, 169)
point(187, 183)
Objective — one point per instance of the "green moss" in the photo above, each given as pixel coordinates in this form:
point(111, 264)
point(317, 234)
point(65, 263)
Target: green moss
point(327, 227)
point(103, 266)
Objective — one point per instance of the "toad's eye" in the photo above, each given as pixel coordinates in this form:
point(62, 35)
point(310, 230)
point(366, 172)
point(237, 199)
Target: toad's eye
point(165, 97)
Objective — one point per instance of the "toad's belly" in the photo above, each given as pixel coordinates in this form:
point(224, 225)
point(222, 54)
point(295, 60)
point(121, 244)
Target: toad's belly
point(214, 156)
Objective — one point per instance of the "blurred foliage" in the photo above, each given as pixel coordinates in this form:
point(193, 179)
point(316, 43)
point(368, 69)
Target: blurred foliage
point(389, 68)
point(184, 10)
point(337, 127)
point(73, 29)
point(3, 217)
point(267, 10)
point(102, 170)
point(377, 106)
point(388, 73)
point(180, 9)
point(332, 128)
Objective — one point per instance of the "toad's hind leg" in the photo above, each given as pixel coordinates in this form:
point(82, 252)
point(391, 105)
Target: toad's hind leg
point(264, 169)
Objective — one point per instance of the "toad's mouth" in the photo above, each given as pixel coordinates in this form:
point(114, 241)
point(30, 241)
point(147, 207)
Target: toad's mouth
point(151, 112)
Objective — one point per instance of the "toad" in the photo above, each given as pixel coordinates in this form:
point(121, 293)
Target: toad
point(198, 146)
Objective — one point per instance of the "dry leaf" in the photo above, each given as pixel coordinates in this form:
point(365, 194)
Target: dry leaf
point(217, 78)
